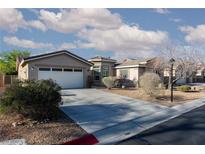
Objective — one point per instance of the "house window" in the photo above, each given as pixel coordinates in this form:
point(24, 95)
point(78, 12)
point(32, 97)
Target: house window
point(78, 70)
point(57, 69)
point(96, 72)
point(124, 73)
point(68, 70)
point(105, 71)
point(44, 69)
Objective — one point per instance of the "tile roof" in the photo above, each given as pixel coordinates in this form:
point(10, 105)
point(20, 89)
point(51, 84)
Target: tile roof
point(130, 62)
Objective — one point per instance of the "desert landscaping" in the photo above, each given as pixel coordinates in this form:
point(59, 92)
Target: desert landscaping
point(12, 126)
point(179, 97)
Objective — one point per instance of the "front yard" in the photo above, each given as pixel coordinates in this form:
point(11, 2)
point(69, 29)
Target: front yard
point(30, 110)
point(163, 99)
point(53, 132)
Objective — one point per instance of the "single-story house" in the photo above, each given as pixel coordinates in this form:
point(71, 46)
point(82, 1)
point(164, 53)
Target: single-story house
point(102, 67)
point(132, 69)
point(64, 67)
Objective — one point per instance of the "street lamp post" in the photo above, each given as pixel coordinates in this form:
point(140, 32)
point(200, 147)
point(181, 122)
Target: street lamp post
point(171, 61)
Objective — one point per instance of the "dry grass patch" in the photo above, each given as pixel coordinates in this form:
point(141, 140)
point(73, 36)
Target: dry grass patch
point(53, 132)
point(163, 99)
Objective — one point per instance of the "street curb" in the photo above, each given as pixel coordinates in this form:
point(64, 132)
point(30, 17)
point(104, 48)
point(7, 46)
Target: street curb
point(88, 139)
point(177, 111)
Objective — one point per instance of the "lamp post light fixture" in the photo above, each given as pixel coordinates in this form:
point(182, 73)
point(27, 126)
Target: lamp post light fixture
point(171, 62)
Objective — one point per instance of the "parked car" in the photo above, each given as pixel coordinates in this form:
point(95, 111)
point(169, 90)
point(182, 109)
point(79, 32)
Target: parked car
point(124, 83)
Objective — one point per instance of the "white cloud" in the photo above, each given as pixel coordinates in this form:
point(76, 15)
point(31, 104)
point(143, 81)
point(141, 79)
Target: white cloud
point(177, 20)
point(72, 20)
point(161, 11)
point(12, 40)
point(67, 45)
point(194, 34)
point(95, 28)
point(102, 30)
point(37, 25)
point(11, 19)
point(127, 39)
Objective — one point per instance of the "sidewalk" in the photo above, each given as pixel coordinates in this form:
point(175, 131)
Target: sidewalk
point(133, 127)
point(112, 118)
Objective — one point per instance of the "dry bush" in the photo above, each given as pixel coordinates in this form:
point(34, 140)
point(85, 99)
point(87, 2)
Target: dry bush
point(151, 84)
point(109, 81)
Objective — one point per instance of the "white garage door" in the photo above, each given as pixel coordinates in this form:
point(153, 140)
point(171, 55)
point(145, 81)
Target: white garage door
point(66, 78)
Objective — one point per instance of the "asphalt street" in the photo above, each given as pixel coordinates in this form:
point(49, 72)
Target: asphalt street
point(187, 129)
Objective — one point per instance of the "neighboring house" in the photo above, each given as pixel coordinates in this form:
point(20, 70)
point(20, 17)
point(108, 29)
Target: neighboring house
point(102, 67)
point(198, 76)
point(66, 68)
point(132, 69)
point(166, 76)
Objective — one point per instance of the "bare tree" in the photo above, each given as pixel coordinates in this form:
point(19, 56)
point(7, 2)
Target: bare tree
point(187, 61)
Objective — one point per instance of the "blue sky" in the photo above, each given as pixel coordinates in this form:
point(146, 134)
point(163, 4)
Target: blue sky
point(117, 33)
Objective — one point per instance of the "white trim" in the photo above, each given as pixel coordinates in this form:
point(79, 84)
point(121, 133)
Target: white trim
point(129, 66)
point(102, 60)
point(45, 56)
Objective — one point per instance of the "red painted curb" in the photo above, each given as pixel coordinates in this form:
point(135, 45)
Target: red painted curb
point(88, 139)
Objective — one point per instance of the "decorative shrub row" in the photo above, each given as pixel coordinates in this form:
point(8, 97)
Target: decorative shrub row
point(184, 88)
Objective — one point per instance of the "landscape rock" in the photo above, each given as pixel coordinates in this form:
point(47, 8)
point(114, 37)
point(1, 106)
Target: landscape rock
point(14, 142)
point(14, 124)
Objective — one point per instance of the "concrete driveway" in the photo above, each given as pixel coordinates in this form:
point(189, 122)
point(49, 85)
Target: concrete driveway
point(111, 117)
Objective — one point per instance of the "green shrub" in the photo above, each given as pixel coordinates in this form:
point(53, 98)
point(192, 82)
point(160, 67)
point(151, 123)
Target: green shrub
point(151, 84)
point(184, 88)
point(34, 99)
point(109, 81)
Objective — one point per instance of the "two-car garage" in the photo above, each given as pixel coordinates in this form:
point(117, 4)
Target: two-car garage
point(65, 68)
point(65, 77)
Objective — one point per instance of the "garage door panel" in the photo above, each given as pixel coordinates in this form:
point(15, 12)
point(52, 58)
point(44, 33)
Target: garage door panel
point(64, 79)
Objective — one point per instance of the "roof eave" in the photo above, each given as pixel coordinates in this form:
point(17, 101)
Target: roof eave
point(102, 60)
point(63, 52)
point(130, 66)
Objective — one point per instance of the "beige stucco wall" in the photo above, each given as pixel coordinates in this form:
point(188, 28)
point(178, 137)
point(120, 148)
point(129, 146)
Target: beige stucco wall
point(62, 60)
point(133, 73)
point(112, 70)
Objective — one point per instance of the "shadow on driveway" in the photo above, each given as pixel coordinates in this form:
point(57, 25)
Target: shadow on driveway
point(187, 129)
point(96, 117)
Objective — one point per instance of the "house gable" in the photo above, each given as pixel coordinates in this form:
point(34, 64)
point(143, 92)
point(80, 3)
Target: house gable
point(58, 60)
point(54, 54)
